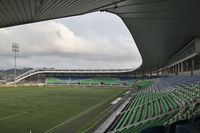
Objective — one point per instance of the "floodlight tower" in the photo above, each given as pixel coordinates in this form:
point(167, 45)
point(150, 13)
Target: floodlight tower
point(15, 49)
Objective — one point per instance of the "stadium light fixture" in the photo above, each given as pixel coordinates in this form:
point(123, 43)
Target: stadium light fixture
point(15, 49)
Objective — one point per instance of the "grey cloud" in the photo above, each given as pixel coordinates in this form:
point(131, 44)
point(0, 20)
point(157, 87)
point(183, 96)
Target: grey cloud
point(91, 41)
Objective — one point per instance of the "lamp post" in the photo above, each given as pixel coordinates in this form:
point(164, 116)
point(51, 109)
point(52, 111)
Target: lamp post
point(15, 49)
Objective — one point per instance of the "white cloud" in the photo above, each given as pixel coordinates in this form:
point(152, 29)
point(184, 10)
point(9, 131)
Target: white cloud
point(53, 44)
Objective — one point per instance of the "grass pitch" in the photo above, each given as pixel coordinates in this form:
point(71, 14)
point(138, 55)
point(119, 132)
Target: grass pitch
point(50, 109)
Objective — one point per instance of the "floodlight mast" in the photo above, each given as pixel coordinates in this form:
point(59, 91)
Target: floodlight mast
point(15, 49)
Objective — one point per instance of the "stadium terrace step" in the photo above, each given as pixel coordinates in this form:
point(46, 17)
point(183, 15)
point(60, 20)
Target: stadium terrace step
point(161, 103)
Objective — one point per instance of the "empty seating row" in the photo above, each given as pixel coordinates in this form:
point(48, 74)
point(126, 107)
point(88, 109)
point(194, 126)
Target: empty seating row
point(159, 103)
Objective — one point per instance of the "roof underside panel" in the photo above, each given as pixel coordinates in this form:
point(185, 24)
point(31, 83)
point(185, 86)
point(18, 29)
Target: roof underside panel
point(15, 12)
point(160, 28)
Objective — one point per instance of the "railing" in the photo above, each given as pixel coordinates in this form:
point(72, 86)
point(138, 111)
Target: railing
point(183, 53)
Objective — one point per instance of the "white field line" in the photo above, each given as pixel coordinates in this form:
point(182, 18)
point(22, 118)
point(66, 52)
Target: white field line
point(11, 116)
point(78, 115)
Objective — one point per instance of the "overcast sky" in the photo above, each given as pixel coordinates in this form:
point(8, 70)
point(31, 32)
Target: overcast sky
point(92, 41)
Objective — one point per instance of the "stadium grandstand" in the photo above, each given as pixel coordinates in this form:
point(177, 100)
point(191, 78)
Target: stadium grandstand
point(163, 95)
point(167, 100)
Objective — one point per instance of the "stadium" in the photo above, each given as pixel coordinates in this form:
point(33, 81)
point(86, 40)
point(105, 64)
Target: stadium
point(161, 96)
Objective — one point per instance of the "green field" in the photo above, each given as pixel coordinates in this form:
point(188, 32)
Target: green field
point(51, 109)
